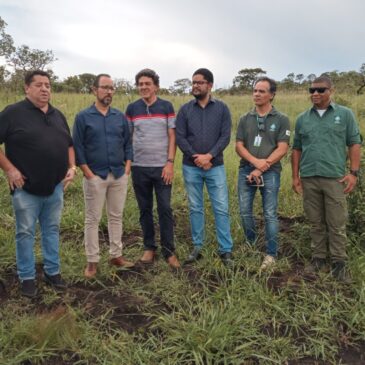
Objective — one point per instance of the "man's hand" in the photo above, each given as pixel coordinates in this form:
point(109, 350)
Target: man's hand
point(254, 176)
point(261, 164)
point(71, 172)
point(15, 178)
point(168, 173)
point(203, 160)
point(297, 185)
point(350, 183)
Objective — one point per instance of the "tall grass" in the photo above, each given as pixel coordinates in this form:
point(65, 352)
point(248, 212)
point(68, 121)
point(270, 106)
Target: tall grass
point(202, 315)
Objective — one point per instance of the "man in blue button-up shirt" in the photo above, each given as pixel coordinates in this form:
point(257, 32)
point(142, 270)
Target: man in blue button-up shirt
point(203, 131)
point(104, 153)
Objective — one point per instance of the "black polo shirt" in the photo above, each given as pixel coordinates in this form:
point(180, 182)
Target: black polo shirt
point(37, 144)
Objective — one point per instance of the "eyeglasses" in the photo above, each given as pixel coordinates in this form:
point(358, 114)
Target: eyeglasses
point(107, 88)
point(199, 82)
point(320, 90)
point(261, 123)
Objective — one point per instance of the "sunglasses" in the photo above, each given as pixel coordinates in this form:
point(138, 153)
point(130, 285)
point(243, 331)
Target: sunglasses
point(320, 90)
point(261, 124)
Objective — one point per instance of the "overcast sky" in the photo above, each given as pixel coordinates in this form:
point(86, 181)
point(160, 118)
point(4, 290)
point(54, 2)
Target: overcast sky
point(175, 38)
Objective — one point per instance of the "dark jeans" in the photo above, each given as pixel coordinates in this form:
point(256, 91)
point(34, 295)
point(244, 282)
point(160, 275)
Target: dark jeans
point(145, 179)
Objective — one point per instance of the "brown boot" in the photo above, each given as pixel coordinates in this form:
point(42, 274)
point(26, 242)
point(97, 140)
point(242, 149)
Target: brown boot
point(148, 257)
point(173, 262)
point(90, 270)
point(121, 262)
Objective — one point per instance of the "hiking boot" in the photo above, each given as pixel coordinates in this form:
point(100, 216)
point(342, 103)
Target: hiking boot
point(317, 264)
point(226, 258)
point(28, 288)
point(90, 270)
point(268, 262)
point(121, 262)
point(55, 281)
point(173, 262)
point(148, 257)
point(341, 273)
point(194, 256)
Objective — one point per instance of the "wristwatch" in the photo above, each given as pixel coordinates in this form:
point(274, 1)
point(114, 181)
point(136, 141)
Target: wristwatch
point(355, 172)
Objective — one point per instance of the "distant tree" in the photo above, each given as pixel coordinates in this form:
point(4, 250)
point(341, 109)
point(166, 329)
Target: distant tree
point(299, 78)
point(87, 81)
point(310, 78)
point(21, 59)
point(6, 41)
point(25, 58)
point(181, 86)
point(246, 77)
point(123, 86)
point(362, 79)
point(72, 84)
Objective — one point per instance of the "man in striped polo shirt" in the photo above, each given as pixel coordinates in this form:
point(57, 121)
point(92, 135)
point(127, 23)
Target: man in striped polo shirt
point(152, 123)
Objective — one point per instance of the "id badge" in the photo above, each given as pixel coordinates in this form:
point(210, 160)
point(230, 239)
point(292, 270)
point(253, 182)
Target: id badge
point(257, 141)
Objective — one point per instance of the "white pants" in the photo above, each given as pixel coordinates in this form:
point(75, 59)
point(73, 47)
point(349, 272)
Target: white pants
point(96, 192)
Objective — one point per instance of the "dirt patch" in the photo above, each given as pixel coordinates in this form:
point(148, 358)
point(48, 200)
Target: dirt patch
point(120, 310)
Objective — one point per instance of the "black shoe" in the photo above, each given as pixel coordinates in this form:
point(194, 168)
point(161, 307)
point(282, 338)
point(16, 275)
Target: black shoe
point(226, 258)
point(55, 281)
point(194, 256)
point(28, 288)
point(317, 264)
point(340, 272)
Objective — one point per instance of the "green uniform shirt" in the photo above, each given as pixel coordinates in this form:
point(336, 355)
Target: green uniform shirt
point(262, 143)
point(323, 140)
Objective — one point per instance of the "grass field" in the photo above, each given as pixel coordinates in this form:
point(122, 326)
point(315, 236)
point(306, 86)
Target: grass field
point(204, 314)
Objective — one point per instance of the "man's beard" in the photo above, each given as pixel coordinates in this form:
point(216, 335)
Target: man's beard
point(106, 101)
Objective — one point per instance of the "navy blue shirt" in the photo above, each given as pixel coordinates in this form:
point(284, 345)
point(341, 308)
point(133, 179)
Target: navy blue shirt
point(102, 142)
point(203, 130)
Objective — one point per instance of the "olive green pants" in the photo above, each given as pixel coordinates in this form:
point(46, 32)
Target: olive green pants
point(325, 206)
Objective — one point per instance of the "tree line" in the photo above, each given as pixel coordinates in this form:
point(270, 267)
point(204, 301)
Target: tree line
point(20, 59)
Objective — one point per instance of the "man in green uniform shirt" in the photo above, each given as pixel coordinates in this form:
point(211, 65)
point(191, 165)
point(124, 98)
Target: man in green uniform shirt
point(324, 136)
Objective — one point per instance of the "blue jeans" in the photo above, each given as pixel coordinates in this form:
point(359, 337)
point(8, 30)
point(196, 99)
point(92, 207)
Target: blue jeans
point(215, 180)
point(269, 193)
point(29, 209)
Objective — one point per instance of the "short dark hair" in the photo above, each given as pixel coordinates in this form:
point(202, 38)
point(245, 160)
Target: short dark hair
point(98, 77)
point(147, 72)
point(208, 75)
point(272, 83)
point(323, 78)
point(28, 79)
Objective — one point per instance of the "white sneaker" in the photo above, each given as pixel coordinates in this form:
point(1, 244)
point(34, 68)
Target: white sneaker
point(268, 261)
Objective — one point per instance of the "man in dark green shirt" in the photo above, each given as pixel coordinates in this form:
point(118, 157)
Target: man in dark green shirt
point(262, 141)
point(324, 136)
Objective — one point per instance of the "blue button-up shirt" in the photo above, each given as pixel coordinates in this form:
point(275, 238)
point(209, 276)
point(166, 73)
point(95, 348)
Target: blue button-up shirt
point(203, 130)
point(102, 142)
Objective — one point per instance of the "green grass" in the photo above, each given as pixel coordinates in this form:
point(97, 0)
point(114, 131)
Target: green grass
point(202, 315)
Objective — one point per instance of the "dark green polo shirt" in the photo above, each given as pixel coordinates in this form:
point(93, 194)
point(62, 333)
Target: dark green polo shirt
point(324, 140)
point(277, 129)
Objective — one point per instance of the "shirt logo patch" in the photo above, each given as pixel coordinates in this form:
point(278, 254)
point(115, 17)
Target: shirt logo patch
point(272, 128)
point(337, 120)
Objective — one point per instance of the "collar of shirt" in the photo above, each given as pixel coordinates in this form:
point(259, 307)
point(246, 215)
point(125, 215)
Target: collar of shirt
point(93, 110)
point(273, 111)
point(211, 100)
point(332, 106)
point(30, 105)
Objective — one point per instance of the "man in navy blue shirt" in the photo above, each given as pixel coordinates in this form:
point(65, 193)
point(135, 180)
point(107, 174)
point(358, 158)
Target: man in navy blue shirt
point(104, 153)
point(203, 130)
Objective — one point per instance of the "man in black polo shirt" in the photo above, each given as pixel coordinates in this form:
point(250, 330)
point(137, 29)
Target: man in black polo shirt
point(39, 163)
